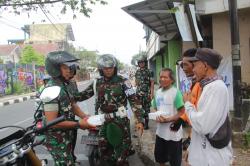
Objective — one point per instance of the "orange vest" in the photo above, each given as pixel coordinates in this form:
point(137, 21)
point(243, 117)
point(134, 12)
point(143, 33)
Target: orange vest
point(195, 94)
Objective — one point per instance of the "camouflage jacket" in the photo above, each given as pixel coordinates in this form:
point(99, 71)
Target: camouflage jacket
point(63, 103)
point(112, 94)
point(143, 79)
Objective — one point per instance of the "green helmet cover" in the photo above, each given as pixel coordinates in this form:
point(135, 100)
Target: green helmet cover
point(55, 59)
point(141, 58)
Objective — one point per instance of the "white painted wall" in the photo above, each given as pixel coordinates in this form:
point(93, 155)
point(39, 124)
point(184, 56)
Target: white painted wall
point(217, 6)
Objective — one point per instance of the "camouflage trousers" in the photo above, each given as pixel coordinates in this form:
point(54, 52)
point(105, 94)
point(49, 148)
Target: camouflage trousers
point(146, 103)
point(59, 144)
point(115, 155)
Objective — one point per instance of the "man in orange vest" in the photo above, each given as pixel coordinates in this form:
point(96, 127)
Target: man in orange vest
point(195, 89)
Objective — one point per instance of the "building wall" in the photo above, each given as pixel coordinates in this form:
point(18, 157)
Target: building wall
point(187, 45)
point(222, 38)
point(174, 53)
point(47, 32)
point(217, 6)
point(153, 45)
point(167, 58)
point(13, 56)
point(158, 61)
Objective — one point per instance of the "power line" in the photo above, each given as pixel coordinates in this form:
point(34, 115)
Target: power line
point(50, 13)
point(44, 12)
point(52, 16)
point(30, 3)
point(9, 20)
point(12, 26)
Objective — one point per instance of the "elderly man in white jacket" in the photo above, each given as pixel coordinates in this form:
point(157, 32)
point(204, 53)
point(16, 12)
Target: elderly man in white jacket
point(211, 112)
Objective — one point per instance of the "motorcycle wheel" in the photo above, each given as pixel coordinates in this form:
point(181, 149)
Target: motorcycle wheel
point(94, 158)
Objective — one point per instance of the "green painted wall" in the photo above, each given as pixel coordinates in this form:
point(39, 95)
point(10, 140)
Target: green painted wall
point(171, 54)
point(158, 66)
point(165, 57)
point(174, 53)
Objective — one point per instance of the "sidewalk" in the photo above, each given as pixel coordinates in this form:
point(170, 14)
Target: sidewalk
point(145, 147)
point(10, 99)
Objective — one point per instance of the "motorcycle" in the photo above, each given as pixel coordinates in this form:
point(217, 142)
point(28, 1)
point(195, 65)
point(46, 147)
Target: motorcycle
point(17, 148)
point(91, 141)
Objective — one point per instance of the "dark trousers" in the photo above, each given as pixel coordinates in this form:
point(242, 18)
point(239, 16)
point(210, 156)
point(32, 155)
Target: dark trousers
point(168, 151)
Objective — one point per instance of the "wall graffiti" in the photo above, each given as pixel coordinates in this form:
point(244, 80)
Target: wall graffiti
point(23, 73)
point(3, 80)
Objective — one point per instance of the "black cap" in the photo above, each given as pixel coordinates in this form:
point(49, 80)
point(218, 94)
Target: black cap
point(212, 57)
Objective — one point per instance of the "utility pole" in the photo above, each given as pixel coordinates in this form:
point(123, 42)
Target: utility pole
point(236, 62)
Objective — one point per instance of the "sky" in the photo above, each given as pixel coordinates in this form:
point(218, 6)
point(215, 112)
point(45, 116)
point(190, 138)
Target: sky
point(108, 30)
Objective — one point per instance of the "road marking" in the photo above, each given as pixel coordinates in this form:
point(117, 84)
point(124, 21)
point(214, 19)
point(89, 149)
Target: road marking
point(18, 123)
point(48, 157)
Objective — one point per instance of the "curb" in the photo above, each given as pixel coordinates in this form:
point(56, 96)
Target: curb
point(16, 100)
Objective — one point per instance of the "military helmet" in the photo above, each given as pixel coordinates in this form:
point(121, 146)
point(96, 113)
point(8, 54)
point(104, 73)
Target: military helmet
point(141, 58)
point(107, 60)
point(46, 77)
point(55, 59)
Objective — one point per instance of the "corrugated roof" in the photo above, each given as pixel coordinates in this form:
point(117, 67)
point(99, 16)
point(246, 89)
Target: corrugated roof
point(44, 48)
point(7, 49)
point(155, 15)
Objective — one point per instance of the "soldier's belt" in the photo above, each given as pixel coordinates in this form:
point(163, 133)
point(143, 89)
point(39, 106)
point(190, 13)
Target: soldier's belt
point(121, 112)
point(98, 120)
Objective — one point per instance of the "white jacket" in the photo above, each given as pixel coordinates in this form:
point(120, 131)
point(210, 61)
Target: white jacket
point(212, 109)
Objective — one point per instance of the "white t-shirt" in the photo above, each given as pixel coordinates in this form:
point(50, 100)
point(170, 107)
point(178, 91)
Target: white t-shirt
point(169, 101)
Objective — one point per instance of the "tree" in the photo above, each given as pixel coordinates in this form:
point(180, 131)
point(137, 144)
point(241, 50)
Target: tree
point(81, 6)
point(120, 65)
point(134, 58)
point(87, 58)
point(29, 55)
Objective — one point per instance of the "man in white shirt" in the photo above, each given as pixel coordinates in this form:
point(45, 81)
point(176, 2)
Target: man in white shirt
point(168, 99)
point(210, 114)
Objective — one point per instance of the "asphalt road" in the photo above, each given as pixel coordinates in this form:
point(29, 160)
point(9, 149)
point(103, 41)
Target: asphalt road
point(21, 114)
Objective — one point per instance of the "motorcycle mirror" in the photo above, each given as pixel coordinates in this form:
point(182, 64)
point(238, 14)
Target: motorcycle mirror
point(50, 93)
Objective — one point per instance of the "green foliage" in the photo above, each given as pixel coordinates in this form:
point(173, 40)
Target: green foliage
point(120, 65)
point(80, 6)
point(19, 87)
point(29, 55)
point(8, 91)
point(87, 58)
point(175, 9)
point(1, 61)
point(134, 58)
point(247, 139)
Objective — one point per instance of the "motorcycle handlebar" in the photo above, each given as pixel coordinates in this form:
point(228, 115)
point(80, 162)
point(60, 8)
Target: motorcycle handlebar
point(51, 123)
point(26, 133)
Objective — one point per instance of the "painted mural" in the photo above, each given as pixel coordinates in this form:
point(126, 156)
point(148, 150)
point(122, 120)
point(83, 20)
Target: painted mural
point(19, 73)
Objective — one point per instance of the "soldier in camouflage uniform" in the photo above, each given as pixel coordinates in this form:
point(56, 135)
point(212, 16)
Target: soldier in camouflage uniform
point(112, 93)
point(72, 88)
point(59, 66)
point(145, 86)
